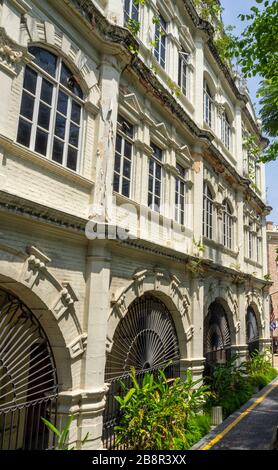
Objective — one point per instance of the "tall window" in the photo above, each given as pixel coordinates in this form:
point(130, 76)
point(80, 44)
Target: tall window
point(250, 242)
point(183, 72)
point(180, 195)
point(207, 212)
point(160, 41)
point(155, 179)
point(208, 105)
point(50, 121)
point(123, 157)
point(131, 11)
point(227, 225)
point(226, 131)
point(259, 246)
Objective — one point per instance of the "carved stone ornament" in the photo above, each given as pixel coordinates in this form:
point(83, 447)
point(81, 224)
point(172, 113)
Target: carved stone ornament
point(11, 53)
point(35, 266)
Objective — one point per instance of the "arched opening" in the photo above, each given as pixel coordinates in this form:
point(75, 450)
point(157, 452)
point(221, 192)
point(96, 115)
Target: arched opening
point(145, 339)
point(217, 336)
point(28, 380)
point(252, 331)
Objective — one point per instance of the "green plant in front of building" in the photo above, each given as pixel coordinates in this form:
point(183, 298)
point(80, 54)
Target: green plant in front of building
point(63, 435)
point(259, 369)
point(161, 413)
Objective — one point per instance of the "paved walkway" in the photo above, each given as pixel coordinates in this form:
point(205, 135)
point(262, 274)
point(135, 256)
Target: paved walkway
point(253, 427)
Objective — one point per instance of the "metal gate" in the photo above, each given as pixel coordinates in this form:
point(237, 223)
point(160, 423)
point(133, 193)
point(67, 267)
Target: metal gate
point(252, 331)
point(28, 382)
point(217, 338)
point(145, 339)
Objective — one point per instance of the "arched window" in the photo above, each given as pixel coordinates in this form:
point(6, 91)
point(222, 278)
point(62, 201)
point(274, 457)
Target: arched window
point(207, 212)
point(50, 121)
point(226, 131)
point(227, 225)
point(208, 105)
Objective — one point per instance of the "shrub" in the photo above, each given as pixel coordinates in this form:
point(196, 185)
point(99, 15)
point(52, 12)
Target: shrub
point(161, 414)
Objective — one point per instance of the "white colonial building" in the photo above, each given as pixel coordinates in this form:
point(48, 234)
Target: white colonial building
point(132, 218)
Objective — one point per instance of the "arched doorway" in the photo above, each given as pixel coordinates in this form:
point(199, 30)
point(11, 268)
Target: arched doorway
point(28, 382)
point(217, 337)
point(145, 339)
point(252, 331)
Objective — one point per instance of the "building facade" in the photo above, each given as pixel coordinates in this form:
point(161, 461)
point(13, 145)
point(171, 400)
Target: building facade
point(132, 216)
point(272, 252)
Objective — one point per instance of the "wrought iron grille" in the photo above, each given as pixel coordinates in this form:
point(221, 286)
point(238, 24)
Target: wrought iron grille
point(112, 414)
point(217, 338)
point(28, 382)
point(252, 331)
point(145, 338)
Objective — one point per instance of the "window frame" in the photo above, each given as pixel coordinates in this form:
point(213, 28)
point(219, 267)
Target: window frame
point(208, 105)
point(180, 199)
point(57, 87)
point(208, 212)
point(184, 73)
point(226, 131)
point(125, 138)
point(161, 41)
point(155, 162)
point(129, 11)
point(227, 225)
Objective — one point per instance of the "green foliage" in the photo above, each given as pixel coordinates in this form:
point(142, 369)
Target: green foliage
point(62, 436)
point(175, 89)
point(161, 414)
point(267, 277)
point(208, 9)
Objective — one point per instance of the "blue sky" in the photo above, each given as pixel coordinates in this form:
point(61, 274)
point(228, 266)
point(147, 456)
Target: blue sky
point(232, 8)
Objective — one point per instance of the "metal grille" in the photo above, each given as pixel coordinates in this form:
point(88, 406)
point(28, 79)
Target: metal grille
point(112, 414)
point(145, 338)
point(252, 331)
point(28, 383)
point(217, 338)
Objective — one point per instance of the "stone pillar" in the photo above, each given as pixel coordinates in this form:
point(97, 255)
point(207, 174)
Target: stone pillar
point(199, 79)
point(237, 151)
point(97, 312)
point(241, 347)
point(198, 181)
point(195, 360)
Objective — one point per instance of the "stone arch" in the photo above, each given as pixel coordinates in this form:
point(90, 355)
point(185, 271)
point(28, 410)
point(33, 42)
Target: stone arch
point(228, 299)
point(211, 84)
point(254, 300)
point(228, 111)
point(51, 302)
point(167, 288)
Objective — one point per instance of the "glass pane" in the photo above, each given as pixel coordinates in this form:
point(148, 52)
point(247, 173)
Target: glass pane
point(157, 203)
point(68, 80)
point(60, 126)
point(72, 158)
point(63, 103)
point(44, 116)
point(75, 112)
point(30, 80)
point(116, 184)
point(158, 171)
point(128, 148)
point(119, 143)
point(41, 142)
point(125, 188)
point(117, 166)
point(47, 91)
point(74, 135)
point(151, 165)
point(58, 149)
point(127, 168)
point(150, 183)
point(150, 200)
point(27, 106)
point(24, 132)
point(157, 188)
point(44, 59)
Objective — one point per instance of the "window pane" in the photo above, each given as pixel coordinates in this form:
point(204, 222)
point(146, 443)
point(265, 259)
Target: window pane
point(157, 188)
point(44, 116)
point(72, 159)
point(125, 189)
point(47, 91)
point(44, 59)
point(27, 106)
point(150, 199)
point(41, 142)
point(151, 165)
point(58, 149)
point(158, 171)
point(150, 183)
point(119, 143)
point(117, 166)
point(68, 80)
point(127, 168)
point(75, 112)
point(74, 135)
point(116, 184)
point(62, 103)
point(24, 132)
point(128, 148)
point(60, 126)
point(30, 80)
